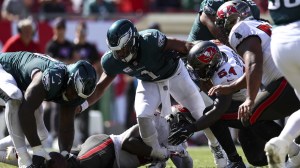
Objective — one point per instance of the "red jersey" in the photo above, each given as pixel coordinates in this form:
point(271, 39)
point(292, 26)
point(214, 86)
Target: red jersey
point(15, 43)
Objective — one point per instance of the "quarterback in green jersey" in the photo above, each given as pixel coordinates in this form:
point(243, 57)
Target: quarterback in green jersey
point(153, 59)
point(27, 79)
point(285, 49)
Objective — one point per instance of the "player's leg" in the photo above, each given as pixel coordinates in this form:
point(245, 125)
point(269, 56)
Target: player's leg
point(185, 92)
point(276, 101)
point(278, 147)
point(222, 133)
point(13, 96)
point(97, 151)
point(253, 147)
point(41, 127)
point(147, 100)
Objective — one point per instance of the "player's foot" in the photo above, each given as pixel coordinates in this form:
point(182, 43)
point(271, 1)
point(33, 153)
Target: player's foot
point(161, 153)
point(238, 164)
point(158, 164)
point(220, 157)
point(276, 150)
point(293, 162)
point(11, 153)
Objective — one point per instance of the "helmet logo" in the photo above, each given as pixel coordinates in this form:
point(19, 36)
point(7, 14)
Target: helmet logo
point(123, 40)
point(226, 11)
point(208, 55)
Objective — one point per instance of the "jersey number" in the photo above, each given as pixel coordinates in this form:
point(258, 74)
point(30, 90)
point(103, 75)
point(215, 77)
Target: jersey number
point(151, 74)
point(223, 73)
point(275, 4)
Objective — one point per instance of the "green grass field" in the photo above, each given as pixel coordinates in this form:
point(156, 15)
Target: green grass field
point(201, 155)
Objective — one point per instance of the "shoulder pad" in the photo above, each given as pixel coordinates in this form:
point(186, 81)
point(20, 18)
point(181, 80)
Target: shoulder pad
point(53, 77)
point(154, 37)
point(239, 32)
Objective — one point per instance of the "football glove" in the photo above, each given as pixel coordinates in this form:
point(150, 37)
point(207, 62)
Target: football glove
point(179, 135)
point(38, 162)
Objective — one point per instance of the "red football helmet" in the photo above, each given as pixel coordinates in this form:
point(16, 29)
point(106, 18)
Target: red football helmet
point(230, 12)
point(204, 59)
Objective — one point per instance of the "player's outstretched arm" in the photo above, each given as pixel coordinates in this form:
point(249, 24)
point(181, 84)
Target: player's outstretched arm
point(33, 97)
point(66, 127)
point(103, 83)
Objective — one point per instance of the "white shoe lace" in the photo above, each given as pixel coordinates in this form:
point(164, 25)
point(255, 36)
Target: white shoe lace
point(220, 158)
point(11, 153)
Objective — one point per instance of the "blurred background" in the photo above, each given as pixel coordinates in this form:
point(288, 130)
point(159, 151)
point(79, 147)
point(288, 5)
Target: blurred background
point(70, 30)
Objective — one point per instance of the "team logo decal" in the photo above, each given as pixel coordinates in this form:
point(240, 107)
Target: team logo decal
point(226, 11)
point(237, 35)
point(208, 55)
point(46, 81)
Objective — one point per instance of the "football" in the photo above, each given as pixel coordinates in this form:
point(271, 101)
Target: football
point(57, 161)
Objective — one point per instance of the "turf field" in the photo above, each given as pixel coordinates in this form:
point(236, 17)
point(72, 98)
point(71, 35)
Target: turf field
point(201, 155)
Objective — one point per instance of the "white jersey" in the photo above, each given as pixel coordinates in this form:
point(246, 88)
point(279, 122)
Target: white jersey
point(262, 29)
point(229, 71)
point(127, 160)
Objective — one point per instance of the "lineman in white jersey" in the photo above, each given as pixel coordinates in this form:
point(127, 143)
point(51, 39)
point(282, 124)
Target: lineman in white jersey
point(251, 39)
point(285, 49)
point(220, 65)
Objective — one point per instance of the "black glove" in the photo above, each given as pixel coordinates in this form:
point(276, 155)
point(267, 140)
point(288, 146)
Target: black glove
point(38, 162)
point(72, 161)
point(179, 135)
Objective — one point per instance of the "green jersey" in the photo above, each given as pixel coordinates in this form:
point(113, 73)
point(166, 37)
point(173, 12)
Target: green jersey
point(210, 7)
point(151, 64)
point(284, 11)
point(22, 65)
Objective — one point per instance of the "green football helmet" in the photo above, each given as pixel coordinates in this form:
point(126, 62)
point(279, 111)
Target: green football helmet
point(122, 40)
point(83, 76)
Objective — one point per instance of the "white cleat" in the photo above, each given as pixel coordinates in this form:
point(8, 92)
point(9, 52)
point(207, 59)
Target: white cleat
point(11, 153)
point(220, 157)
point(293, 162)
point(276, 150)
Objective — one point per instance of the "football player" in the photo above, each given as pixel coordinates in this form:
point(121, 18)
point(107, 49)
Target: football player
point(204, 28)
point(251, 39)
point(26, 80)
point(215, 63)
point(128, 150)
point(285, 46)
point(153, 59)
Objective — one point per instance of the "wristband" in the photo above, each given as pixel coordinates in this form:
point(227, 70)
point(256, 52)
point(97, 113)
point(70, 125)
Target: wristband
point(84, 105)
